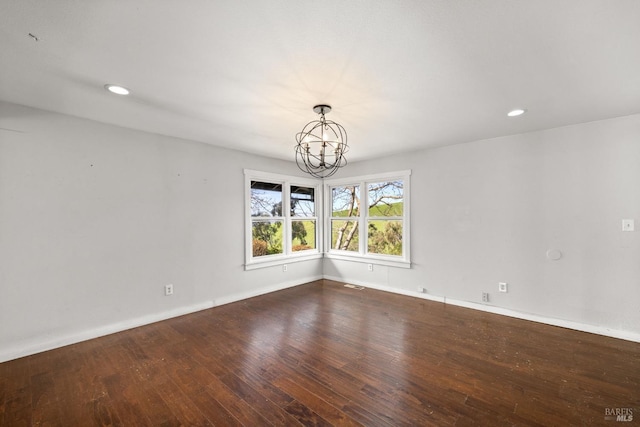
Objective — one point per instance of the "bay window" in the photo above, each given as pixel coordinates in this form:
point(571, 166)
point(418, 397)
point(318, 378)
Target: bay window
point(364, 219)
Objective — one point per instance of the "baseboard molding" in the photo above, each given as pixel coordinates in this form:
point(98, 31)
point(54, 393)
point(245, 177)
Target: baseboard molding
point(268, 289)
point(387, 289)
point(569, 324)
point(40, 344)
point(583, 327)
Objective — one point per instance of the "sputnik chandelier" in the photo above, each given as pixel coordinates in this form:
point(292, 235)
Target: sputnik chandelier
point(321, 145)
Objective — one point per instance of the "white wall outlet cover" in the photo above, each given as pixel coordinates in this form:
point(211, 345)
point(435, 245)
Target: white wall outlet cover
point(628, 225)
point(502, 287)
point(554, 254)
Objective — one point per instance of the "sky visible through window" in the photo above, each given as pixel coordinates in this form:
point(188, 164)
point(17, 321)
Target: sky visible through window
point(266, 200)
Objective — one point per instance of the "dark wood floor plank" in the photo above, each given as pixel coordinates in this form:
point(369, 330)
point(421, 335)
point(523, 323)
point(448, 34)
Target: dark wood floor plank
point(305, 415)
point(435, 403)
point(316, 404)
point(199, 395)
point(181, 405)
point(236, 406)
point(17, 392)
point(323, 354)
point(261, 379)
point(126, 403)
point(326, 392)
point(44, 400)
point(346, 384)
point(268, 409)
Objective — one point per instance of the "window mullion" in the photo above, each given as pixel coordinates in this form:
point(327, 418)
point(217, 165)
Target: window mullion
point(363, 212)
point(286, 213)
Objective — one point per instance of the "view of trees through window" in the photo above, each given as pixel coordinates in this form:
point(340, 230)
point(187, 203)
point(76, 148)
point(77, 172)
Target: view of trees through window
point(384, 223)
point(383, 214)
point(303, 224)
point(366, 218)
point(267, 218)
point(345, 203)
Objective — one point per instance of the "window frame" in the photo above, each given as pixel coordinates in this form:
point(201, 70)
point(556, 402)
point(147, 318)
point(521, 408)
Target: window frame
point(363, 218)
point(287, 255)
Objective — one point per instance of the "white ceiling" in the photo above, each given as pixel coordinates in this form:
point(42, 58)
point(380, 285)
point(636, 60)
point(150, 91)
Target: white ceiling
point(400, 75)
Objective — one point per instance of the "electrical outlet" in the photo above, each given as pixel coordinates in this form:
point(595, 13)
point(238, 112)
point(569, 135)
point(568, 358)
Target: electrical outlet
point(502, 287)
point(284, 267)
point(422, 290)
point(168, 290)
point(485, 297)
point(370, 267)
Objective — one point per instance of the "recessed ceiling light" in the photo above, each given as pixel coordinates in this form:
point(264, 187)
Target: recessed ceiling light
point(516, 112)
point(119, 90)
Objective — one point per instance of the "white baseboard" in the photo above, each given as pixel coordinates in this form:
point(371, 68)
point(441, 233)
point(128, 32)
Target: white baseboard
point(583, 327)
point(386, 288)
point(569, 324)
point(268, 289)
point(40, 344)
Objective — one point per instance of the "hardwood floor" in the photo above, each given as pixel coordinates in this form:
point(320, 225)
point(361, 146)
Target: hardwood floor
point(323, 354)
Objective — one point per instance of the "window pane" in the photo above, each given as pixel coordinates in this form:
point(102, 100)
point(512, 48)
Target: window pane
point(266, 199)
point(344, 235)
point(302, 201)
point(384, 237)
point(386, 198)
point(303, 235)
point(345, 201)
point(267, 237)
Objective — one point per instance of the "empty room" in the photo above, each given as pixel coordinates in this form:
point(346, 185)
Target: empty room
point(361, 213)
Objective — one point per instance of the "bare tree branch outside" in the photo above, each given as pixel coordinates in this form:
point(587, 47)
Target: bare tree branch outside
point(385, 210)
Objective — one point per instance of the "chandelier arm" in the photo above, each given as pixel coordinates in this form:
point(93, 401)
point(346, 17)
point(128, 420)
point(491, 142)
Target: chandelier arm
point(339, 157)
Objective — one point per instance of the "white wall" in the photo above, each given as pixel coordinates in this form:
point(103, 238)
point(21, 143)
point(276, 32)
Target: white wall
point(96, 219)
point(487, 212)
